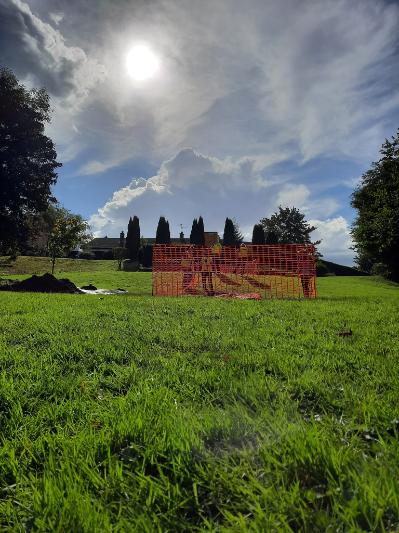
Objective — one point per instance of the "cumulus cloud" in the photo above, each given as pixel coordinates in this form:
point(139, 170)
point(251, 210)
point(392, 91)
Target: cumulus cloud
point(187, 183)
point(192, 184)
point(336, 239)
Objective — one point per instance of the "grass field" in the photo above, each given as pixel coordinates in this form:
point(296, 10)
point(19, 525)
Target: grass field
point(40, 265)
point(133, 413)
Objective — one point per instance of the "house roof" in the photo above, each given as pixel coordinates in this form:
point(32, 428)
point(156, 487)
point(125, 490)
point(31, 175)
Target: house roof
point(106, 243)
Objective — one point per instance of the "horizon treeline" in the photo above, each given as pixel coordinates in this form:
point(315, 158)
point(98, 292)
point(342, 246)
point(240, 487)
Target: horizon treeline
point(287, 226)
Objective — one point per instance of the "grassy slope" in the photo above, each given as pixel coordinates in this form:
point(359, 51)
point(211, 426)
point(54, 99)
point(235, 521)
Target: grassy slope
point(40, 265)
point(132, 413)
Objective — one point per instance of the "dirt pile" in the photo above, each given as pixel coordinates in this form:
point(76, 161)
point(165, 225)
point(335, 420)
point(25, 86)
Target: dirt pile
point(45, 283)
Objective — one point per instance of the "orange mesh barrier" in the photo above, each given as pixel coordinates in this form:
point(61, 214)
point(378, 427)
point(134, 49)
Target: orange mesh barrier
point(267, 271)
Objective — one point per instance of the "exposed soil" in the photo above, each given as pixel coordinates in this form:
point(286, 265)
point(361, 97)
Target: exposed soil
point(45, 283)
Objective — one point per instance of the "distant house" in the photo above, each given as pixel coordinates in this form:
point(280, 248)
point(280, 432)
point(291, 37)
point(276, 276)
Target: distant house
point(211, 238)
point(103, 246)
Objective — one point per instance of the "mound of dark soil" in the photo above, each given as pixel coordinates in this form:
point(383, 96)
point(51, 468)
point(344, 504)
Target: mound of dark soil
point(45, 283)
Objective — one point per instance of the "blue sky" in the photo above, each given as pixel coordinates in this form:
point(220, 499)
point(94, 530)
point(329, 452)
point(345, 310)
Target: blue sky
point(253, 104)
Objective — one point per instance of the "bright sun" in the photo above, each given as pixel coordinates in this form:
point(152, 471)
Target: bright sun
point(142, 63)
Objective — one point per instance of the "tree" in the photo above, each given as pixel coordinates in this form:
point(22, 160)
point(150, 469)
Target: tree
point(27, 158)
point(231, 233)
point(289, 226)
point(238, 238)
point(133, 238)
point(145, 255)
point(197, 235)
point(120, 253)
point(258, 234)
point(376, 228)
point(228, 233)
point(194, 232)
point(271, 238)
point(38, 227)
point(201, 232)
point(68, 231)
point(163, 232)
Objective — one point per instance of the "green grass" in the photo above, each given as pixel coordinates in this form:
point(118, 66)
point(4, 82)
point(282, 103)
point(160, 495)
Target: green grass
point(40, 265)
point(133, 413)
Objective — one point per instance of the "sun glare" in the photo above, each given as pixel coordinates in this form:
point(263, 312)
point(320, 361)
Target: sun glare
point(142, 63)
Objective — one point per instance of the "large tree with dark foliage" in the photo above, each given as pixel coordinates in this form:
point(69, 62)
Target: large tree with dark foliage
point(133, 238)
point(271, 237)
point(287, 226)
point(231, 233)
point(163, 232)
point(27, 158)
point(258, 234)
point(376, 228)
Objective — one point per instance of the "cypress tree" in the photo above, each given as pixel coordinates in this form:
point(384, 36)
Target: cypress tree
point(201, 232)
point(167, 232)
point(163, 232)
point(129, 239)
point(135, 243)
point(258, 235)
point(238, 238)
point(194, 232)
point(228, 234)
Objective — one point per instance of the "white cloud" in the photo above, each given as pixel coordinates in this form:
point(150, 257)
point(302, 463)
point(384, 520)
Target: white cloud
point(185, 186)
point(192, 184)
point(56, 17)
point(282, 80)
point(336, 239)
point(293, 195)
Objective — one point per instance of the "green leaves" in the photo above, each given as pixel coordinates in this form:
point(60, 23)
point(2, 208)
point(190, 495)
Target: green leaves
point(28, 162)
point(288, 226)
point(376, 228)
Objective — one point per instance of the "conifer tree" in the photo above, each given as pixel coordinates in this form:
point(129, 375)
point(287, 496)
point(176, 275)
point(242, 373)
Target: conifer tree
point(135, 242)
point(200, 232)
point(228, 234)
point(194, 232)
point(129, 239)
point(163, 232)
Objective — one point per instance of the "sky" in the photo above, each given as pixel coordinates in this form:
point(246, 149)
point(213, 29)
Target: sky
point(251, 105)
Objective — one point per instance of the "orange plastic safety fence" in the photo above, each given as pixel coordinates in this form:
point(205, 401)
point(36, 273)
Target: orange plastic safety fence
point(261, 271)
